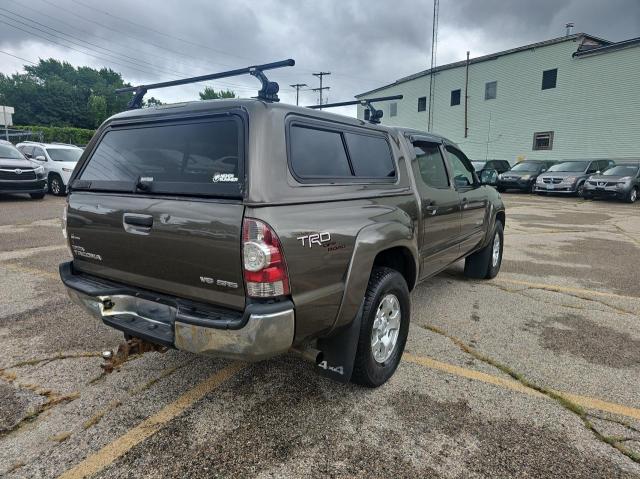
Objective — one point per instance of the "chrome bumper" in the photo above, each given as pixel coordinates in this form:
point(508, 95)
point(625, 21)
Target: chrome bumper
point(263, 336)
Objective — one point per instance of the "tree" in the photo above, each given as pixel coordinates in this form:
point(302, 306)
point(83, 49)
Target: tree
point(56, 93)
point(151, 101)
point(97, 107)
point(210, 94)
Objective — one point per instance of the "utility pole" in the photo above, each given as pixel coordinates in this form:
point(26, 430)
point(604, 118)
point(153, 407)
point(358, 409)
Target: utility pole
point(320, 75)
point(434, 50)
point(466, 97)
point(297, 86)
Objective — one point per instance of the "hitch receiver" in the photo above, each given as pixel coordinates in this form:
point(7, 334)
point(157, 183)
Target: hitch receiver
point(128, 348)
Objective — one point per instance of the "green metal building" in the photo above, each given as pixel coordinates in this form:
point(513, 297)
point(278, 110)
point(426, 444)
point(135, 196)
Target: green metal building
point(574, 97)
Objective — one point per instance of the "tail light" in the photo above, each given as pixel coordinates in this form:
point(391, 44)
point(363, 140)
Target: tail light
point(265, 270)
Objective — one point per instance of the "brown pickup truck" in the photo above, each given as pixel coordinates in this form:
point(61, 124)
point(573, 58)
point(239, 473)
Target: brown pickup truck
point(249, 228)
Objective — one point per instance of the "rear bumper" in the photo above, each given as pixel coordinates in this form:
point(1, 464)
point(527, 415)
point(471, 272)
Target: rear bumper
point(260, 332)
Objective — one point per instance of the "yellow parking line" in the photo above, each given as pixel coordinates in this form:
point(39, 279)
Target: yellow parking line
point(470, 374)
point(563, 289)
point(147, 428)
point(584, 401)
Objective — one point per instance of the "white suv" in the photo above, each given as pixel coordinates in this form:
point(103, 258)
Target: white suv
point(58, 159)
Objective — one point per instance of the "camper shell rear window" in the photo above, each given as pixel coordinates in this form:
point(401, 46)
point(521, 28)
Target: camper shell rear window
point(202, 157)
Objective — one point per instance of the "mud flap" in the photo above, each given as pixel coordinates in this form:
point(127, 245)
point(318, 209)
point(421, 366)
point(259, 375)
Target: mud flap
point(339, 351)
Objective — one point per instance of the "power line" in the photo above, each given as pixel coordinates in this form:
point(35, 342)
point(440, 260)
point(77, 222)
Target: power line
point(19, 58)
point(109, 56)
point(297, 86)
point(165, 34)
point(70, 48)
point(124, 57)
point(320, 75)
point(90, 7)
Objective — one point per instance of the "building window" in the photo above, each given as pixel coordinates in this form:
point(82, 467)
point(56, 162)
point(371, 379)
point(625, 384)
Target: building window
point(490, 90)
point(367, 114)
point(455, 97)
point(549, 78)
point(422, 103)
point(543, 140)
point(393, 109)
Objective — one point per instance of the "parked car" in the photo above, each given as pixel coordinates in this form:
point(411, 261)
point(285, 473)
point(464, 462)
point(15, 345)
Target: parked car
point(58, 160)
point(621, 182)
point(523, 175)
point(304, 232)
point(19, 174)
point(493, 168)
point(568, 177)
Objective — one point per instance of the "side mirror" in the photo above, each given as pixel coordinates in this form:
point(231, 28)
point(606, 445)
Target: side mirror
point(40, 158)
point(489, 177)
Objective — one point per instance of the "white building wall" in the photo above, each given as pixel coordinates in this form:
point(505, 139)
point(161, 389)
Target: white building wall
point(594, 111)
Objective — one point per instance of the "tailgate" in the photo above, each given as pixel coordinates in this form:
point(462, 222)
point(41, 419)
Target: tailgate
point(159, 206)
point(191, 248)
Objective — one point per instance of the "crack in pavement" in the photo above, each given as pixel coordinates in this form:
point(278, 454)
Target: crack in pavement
point(553, 289)
point(562, 400)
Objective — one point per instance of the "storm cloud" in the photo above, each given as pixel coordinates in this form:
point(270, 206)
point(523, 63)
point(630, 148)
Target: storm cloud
point(364, 44)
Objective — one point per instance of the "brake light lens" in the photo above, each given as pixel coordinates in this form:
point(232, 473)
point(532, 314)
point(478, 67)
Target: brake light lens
point(265, 270)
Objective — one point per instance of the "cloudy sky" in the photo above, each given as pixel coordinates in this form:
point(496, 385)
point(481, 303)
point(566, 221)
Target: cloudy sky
point(363, 43)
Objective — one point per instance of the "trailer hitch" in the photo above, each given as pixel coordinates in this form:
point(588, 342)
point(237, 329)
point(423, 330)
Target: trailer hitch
point(133, 346)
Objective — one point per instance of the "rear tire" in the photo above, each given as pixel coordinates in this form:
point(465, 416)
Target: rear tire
point(500, 189)
point(485, 264)
point(633, 195)
point(36, 196)
point(386, 308)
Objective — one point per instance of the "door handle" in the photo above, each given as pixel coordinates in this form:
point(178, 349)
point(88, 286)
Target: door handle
point(430, 207)
point(133, 219)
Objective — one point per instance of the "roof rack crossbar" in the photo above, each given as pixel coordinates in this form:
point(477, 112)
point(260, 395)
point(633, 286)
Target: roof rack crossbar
point(374, 114)
point(268, 92)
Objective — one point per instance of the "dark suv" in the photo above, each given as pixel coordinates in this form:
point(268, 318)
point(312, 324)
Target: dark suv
point(249, 228)
point(568, 177)
point(523, 175)
point(19, 174)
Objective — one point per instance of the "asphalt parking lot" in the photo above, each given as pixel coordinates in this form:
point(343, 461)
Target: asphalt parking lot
point(533, 374)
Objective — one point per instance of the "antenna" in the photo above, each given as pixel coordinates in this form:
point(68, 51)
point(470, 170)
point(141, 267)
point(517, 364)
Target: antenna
point(268, 92)
point(374, 114)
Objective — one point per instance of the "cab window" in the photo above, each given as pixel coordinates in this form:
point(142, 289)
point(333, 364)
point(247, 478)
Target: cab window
point(463, 175)
point(431, 164)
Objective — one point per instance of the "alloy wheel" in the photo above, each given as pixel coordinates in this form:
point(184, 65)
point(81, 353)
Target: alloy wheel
point(386, 328)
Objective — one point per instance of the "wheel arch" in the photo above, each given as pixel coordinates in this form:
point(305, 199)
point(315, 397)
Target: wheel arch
point(391, 244)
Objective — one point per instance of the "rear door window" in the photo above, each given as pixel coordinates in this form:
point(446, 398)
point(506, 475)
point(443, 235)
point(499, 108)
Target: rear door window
point(200, 158)
point(370, 156)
